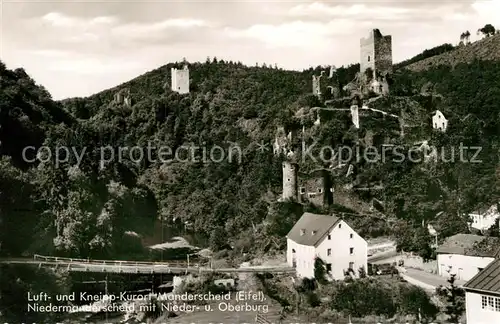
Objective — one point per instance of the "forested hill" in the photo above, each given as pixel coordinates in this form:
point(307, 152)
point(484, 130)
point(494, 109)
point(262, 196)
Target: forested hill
point(88, 209)
point(486, 49)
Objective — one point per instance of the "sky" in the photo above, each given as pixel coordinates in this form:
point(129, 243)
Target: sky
point(77, 48)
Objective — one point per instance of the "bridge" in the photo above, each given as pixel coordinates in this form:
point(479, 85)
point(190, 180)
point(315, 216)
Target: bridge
point(140, 267)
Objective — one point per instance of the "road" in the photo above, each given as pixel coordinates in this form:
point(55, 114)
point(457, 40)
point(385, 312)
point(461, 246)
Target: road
point(430, 279)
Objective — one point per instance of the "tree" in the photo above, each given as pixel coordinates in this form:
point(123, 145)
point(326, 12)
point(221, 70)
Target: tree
point(494, 229)
point(488, 30)
point(320, 270)
point(415, 301)
point(455, 298)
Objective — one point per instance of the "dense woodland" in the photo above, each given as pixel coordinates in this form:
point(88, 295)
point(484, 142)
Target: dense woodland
point(86, 210)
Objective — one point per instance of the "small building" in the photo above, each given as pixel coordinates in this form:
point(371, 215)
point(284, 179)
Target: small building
point(483, 219)
point(482, 296)
point(329, 238)
point(439, 122)
point(465, 255)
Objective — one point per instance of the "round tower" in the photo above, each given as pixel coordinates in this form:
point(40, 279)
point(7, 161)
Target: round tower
point(290, 173)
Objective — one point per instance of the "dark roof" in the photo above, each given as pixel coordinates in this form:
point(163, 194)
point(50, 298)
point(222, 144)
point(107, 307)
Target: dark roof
point(487, 280)
point(459, 243)
point(311, 222)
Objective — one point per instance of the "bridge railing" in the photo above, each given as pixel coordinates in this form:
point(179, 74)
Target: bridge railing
point(171, 263)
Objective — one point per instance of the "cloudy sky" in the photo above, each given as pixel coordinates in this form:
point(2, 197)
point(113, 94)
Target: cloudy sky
point(76, 48)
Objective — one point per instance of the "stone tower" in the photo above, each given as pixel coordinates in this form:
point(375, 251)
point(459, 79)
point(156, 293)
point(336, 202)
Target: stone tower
point(180, 80)
point(290, 174)
point(376, 53)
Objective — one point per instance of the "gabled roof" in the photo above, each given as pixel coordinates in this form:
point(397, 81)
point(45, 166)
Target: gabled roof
point(487, 280)
point(471, 245)
point(311, 222)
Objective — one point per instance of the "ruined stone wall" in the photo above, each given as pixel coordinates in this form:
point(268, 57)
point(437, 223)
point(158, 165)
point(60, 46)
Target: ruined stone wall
point(376, 53)
point(367, 54)
point(383, 54)
point(290, 173)
point(316, 189)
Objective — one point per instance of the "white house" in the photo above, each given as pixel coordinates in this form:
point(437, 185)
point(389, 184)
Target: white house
point(465, 255)
point(439, 121)
point(329, 238)
point(482, 296)
point(484, 219)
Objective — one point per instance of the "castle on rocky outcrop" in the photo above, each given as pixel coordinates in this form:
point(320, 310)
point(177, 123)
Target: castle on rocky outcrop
point(180, 80)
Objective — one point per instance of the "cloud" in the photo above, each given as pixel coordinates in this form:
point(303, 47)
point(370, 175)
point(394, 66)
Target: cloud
point(93, 66)
point(134, 30)
point(487, 11)
point(362, 12)
point(58, 19)
point(296, 33)
point(358, 11)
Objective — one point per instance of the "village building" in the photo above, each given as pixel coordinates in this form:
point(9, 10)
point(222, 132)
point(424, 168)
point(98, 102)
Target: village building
point(439, 122)
point(331, 239)
point(482, 296)
point(465, 255)
point(483, 219)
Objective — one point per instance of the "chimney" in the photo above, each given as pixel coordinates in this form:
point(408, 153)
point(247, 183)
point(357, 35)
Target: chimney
point(314, 232)
point(302, 232)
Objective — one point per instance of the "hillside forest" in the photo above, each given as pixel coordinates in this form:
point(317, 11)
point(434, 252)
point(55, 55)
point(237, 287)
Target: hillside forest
point(84, 208)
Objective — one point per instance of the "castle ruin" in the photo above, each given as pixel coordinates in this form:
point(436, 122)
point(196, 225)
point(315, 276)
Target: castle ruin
point(123, 97)
point(290, 176)
point(315, 187)
point(376, 53)
point(180, 80)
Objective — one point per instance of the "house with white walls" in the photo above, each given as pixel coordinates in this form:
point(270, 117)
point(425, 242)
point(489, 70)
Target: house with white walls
point(439, 122)
point(465, 255)
point(332, 240)
point(482, 296)
point(483, 219)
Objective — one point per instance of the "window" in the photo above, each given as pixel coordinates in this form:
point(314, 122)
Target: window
point(351, 251)
point(329, 237)
point(314, 232)
point(179, 88)
point(329, 252)
point(340, 225)
point(293, 250)
point(443, 125)
point(490, 303)
point(302, 232)
point(320, 190)
point(368, 58)
point(302, 190)
point(350, 235)
point(435, 125)
point(288, 180)
point(328, 267)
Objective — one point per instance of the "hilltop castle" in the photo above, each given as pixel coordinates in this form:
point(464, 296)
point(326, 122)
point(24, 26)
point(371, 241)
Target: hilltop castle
point(376, 53)
point(180, 80)
point(316, 187)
